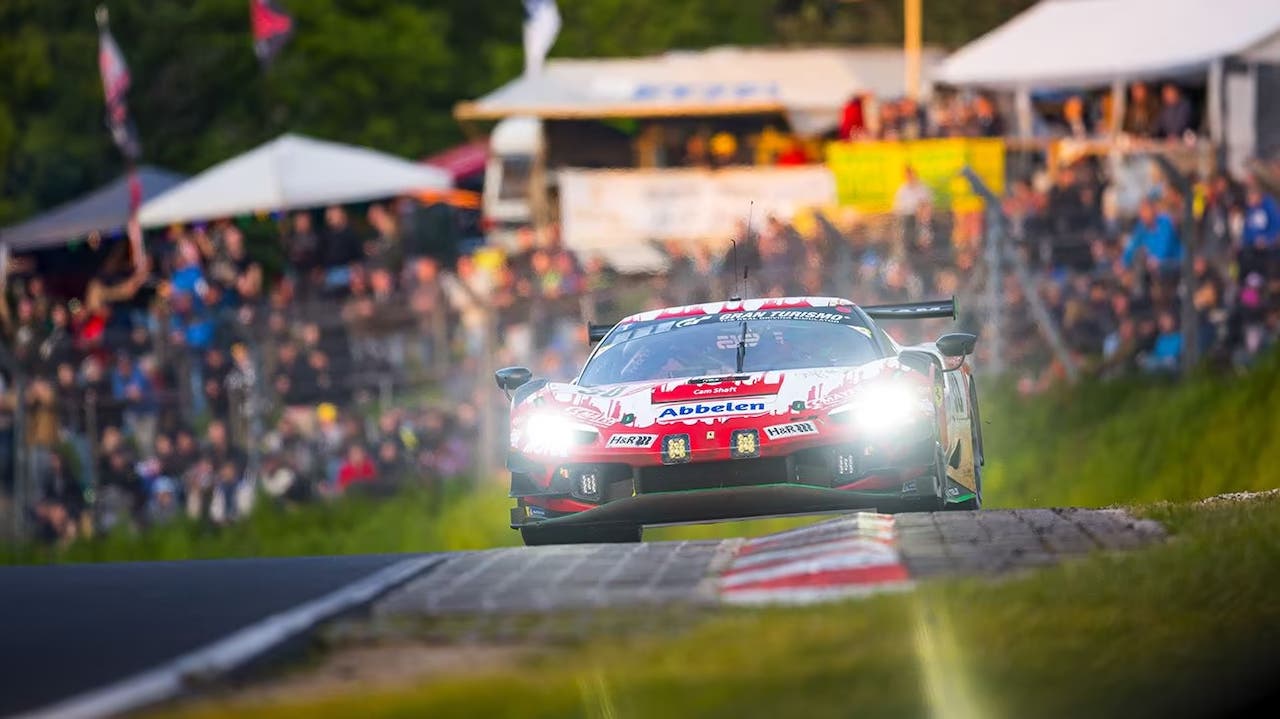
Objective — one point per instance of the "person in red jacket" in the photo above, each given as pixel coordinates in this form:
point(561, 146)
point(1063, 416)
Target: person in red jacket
point(853, 118)
point(357, 467)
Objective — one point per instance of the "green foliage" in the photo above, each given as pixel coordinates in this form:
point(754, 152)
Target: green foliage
point(1133, 441)
point(947, 23)
point(381, 73)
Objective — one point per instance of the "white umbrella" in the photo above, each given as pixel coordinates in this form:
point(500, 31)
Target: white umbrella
point(287, 173)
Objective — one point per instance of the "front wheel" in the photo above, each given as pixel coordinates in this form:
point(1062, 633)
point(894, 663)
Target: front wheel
point(931, 488)
point(537, 536)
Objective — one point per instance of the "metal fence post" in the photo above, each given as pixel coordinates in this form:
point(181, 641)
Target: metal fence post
point(441, 350)
point(1186, 291)
point(20, 455)
point(995, 289)
point(385, 390)
point(1041, 313)
point(488, 416)
point(253, 405)
point(91, 436)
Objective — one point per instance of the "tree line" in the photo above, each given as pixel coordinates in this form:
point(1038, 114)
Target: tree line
point(384, 73)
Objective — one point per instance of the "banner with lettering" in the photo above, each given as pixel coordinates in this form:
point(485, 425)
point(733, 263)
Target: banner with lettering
point(868, 174)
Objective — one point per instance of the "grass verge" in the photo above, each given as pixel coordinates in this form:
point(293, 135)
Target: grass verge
point(1190, 627)
point(1134, 441)
point(414, 520)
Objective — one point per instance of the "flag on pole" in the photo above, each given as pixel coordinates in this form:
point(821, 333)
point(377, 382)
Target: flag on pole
point(541, 25)
point(115, 85)
point(272, 28)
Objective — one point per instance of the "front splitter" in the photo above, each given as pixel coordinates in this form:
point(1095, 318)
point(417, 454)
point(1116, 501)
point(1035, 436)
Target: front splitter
point(712, 505)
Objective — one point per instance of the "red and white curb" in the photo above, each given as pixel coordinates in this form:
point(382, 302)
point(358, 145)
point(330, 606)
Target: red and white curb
point(847, 557)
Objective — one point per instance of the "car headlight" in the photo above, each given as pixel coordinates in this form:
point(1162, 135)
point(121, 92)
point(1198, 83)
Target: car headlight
point(879, 408)
point(556, 434)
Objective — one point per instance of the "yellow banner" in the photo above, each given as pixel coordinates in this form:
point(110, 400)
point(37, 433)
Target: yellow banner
point(868, 174)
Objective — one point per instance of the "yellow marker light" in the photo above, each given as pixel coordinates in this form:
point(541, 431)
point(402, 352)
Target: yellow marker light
point(675, 449)
point(746, 443)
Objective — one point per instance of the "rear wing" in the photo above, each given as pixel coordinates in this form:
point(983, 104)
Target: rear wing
point(595, 332)
point(913, 310)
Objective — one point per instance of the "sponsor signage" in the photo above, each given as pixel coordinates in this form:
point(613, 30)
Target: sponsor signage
point(626, 209)
point(807, 315)
point(791, 429)
point(587, 414)
point(635, 441)
point(868, 174)
point(708, 410)
point(714, 391)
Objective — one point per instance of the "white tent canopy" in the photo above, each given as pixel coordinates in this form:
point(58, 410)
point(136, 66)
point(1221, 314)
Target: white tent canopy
point(810, 85)
point(1082, 43)
point(287, 173)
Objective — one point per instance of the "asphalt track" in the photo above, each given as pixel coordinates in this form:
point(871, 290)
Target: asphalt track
point(67, 629)
point(66, 632)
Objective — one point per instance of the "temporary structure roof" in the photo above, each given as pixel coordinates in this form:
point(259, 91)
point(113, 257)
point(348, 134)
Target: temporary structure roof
point(1082, 43)
point(291, 172)
point(810, 85)
point(104, 210)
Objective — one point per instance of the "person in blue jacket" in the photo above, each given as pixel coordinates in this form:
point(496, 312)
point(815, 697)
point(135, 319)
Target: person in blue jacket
point(1165, 356)
point(1261, 220)
point(1156, 235)
point(1260, 237)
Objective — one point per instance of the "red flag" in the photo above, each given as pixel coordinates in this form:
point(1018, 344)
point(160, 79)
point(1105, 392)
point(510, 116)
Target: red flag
point(272, 28)
point(115, 85)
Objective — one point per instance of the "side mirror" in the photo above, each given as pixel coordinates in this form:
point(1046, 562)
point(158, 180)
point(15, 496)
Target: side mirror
point(510, 378)
point(955, 346)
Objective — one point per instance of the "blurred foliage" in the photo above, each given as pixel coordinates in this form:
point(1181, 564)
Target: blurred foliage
point(380, 73)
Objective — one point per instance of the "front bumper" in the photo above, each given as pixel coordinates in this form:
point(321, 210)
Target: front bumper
point(830, 477)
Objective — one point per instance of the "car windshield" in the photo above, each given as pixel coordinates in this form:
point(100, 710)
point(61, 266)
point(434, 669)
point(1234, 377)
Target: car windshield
point(708, 346)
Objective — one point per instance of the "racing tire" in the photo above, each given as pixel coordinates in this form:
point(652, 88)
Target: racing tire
point(936, 501)
point(538, 536)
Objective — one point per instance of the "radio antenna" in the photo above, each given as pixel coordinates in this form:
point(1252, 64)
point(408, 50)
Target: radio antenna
point(737, 296)
point(751, 206)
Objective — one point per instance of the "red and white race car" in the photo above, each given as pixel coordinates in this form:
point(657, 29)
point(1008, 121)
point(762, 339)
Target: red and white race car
point(744, 409)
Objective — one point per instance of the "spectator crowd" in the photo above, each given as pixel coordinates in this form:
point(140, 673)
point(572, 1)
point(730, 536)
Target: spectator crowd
point(1150, 113)
point(199, 372)
point(1112, 283)
point(187, 379)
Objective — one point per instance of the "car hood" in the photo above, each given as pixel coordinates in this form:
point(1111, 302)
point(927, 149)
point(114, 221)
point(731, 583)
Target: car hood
point(706, 400)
